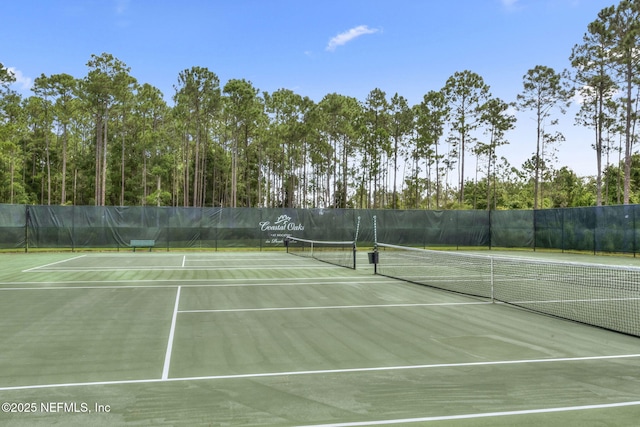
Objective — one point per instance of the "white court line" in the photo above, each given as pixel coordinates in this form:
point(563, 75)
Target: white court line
point(337, 307)
point(308, 280)
point(322, 372)
point(53, 263)
point(477, 415)
point(184, 260)
point(167, 356)
point(196, 284)
point(169, 268)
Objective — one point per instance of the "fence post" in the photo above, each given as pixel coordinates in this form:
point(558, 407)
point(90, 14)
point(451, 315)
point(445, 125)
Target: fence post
point(73, 228)
point(490, 230)
point(535, 243)
point(27, 220)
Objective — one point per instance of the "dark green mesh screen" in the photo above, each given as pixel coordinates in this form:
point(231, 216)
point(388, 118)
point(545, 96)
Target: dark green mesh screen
point(616, 230)
point(592, 229)
point(12, 226)
point(597, 229)
point(512, 229)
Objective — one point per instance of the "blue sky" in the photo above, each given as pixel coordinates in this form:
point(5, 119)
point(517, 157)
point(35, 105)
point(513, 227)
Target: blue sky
point(313, 47)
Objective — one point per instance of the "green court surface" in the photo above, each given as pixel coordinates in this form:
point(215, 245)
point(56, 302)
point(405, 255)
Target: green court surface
point(270, 339)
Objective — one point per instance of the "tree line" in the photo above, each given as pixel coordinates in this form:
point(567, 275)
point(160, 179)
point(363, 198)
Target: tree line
point(107, 139)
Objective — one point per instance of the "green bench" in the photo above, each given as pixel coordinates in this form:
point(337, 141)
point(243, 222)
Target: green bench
point(142, 244)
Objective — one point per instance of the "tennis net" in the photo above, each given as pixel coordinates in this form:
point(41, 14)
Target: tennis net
point(600, 295)
point(337, 253)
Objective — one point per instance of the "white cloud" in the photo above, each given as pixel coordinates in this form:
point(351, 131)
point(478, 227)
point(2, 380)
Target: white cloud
point(23, 81)
point(509, 3)
point(349, 35)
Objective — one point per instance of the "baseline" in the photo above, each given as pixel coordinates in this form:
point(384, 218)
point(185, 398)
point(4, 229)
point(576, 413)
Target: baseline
point(170, 268)
point(207, 282)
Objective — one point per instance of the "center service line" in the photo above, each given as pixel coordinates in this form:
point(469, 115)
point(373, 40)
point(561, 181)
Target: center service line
point(167, 357)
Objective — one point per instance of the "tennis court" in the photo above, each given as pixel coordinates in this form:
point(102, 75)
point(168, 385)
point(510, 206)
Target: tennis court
point(270, 339)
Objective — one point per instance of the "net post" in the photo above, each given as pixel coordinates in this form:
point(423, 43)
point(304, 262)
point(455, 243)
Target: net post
point(375, 231)
point(355, 255)
point(375, 258)
point(375, 245)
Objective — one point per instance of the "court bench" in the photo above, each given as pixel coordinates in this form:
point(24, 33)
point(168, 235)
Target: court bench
point(140, 243)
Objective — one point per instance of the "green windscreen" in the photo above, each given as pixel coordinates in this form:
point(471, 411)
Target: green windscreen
point(589, 229)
